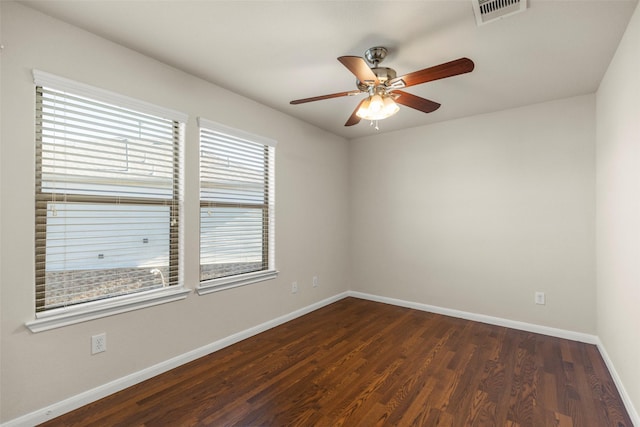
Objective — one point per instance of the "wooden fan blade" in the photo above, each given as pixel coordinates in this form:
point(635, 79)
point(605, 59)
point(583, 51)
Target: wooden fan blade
point(360, 69)
point(416, 102)
point(319, 98)
point(442, 71)
point(354, 119)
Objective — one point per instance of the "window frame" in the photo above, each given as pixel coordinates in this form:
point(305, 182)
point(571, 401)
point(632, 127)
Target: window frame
point(207, 286)
point(93, 309)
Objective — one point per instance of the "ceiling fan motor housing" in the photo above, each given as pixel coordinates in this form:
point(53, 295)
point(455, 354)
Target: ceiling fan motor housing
point(382, 73)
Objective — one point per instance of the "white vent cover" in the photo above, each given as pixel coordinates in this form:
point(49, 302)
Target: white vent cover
point(491, 10)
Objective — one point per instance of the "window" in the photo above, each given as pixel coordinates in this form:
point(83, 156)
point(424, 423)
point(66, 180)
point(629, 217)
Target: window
point(107, 196)
point(236, 207)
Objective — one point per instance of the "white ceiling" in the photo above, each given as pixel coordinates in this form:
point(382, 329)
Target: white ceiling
point(277, 51)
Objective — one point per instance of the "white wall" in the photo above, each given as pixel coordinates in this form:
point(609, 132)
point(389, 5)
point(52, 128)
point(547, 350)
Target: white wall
point(311, 168)
point(618, 210)
point(479, 213)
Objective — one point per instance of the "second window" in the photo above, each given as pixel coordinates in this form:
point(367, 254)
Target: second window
point(236, 204)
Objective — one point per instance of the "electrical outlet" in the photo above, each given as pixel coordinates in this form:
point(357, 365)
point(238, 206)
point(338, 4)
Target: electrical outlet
point(540, 300)
point(294, 288)
point(99, 343)
point(316, 282)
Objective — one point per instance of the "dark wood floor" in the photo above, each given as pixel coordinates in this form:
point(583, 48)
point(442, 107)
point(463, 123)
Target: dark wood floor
point(361, 363)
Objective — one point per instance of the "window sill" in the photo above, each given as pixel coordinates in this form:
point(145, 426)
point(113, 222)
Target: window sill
point(216, 285)
point(65, 316)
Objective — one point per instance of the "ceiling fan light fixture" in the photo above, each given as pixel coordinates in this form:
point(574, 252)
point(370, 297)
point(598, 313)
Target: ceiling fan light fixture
point(377, 107)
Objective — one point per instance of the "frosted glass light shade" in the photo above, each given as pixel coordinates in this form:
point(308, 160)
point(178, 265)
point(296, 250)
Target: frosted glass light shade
point(377, 107)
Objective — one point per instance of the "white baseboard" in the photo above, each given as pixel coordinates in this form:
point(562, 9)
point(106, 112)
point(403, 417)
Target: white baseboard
point(104, 390)
point(79, 400)
point(631, 410)
point(523, 326)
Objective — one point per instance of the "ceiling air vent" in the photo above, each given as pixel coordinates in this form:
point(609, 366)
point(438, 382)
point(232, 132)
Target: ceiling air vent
point(490, 10)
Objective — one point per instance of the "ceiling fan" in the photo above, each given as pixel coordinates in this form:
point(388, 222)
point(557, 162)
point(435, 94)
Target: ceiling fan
point(383, 86)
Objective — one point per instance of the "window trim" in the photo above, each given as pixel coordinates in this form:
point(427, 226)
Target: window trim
point(230, 282)
point(41, 78)
point(65, 316)
point(90, 310)
point(237, 133)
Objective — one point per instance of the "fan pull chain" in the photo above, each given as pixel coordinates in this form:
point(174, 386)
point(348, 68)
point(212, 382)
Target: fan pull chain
point(374, 124)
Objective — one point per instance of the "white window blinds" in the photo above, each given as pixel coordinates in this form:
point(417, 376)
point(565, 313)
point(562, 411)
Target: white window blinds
point(237, 200)
point(107, 195)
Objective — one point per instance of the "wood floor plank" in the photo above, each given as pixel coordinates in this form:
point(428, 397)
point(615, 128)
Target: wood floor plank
point(362, 363)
